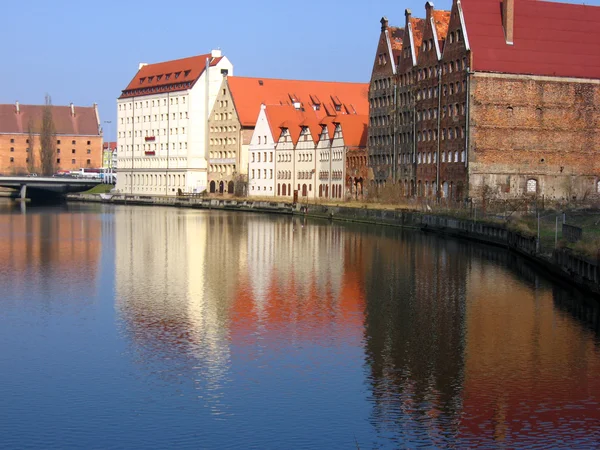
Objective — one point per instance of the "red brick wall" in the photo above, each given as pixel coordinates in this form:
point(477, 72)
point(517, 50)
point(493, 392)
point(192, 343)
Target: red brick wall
point(539, 128)
point(14, 146)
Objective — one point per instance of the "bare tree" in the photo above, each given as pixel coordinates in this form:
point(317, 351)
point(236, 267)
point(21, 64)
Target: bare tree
point(31, 162)
point(48, 140)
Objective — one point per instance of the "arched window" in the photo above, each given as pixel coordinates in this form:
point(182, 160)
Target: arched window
point(531, 186)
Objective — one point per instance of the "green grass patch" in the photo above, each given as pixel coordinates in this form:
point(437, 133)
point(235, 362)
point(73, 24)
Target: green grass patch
point(100, 189)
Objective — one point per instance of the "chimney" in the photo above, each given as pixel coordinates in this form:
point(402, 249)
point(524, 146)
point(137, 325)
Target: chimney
point(17, 107)
point(215, 53)
point(384, 24)
point(140, 65)
point(508, 20)
point(72, 110)
point(429, 10)
point(407, 14)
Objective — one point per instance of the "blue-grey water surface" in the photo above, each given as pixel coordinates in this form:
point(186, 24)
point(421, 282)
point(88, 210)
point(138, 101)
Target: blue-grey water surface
point(136, 327)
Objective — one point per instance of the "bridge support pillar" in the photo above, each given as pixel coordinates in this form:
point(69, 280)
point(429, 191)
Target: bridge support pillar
point(23, 193)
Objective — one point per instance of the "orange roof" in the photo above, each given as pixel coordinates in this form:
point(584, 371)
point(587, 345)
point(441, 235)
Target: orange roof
point(396, 37)
point(354, 129)
point(441, 19)
point(418, 27)
point(168, 76)
point(284, 116)
point(326, 97)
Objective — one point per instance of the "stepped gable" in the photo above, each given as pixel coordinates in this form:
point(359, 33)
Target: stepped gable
point(168, 76)
point(553, 39)
point(324, 97)
point(84, 122)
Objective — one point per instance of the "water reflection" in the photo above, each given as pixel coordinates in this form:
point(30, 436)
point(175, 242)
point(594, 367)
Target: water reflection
point(53, 250)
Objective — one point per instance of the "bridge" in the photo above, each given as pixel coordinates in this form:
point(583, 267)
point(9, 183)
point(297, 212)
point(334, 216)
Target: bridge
point(49, 188)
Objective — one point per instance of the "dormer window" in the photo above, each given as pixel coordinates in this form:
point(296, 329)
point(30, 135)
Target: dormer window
point(167, 76)
point(177, 74)
point(142, 80)
point(159, 77)
point(186, 73)
point(150, 79)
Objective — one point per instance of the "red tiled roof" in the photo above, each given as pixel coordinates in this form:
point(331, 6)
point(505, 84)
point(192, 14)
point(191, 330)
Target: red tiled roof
point(249, 93)
point(441, 19)
point(113, 146)
point(396, 37)
point(555, 39)
point(84, 122)
point(418, 27)
point(354, 129)
point(284, 116)
point(168, 76)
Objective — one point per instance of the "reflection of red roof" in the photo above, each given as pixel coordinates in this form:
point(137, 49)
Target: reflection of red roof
point(168, 76)
point(550, 38)
point(84, 122)
point(249, 93)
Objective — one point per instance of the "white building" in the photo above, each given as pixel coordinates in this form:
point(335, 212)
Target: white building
point(161, 125)
point(261, 154)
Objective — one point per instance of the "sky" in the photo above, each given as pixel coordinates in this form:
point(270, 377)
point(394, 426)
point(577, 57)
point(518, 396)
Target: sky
point(84, 52)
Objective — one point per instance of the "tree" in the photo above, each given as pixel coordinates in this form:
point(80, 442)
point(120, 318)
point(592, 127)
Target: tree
point(48, 140)
point(31, 164)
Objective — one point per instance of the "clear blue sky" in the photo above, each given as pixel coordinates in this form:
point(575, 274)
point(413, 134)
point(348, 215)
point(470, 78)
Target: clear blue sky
point(85, 52)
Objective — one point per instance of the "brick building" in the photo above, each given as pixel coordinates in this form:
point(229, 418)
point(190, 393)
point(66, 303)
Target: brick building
point(502, 100)
point(382, 98)
point(78, 137)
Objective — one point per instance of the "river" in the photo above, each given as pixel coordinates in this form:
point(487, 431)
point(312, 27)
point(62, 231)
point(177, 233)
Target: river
point(148, 327)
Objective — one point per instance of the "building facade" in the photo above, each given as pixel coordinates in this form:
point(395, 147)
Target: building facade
point(482, 110)
point(382, 101)
point(313, 159)
point(234, 117)
point(162, 133)
point(78, 138)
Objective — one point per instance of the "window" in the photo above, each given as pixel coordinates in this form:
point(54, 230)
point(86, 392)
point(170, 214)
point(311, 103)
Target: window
point(72, 161)
point(73, 142)
point(531, 186)
point(12, 149)
point(58, 150)
point(89, 142)
point(12, 160)
point(57, 160)
point(89, 151)
point(58, 142)
point(88, 162)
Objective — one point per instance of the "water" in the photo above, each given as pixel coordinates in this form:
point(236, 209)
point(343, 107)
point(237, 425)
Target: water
point(134, 327)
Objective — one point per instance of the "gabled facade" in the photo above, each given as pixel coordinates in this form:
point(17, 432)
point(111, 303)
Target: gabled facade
point(480, 90)
point(382, 100)
point(233, 119)
point(261, 153)
point(311, 156)
point(162, 120)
